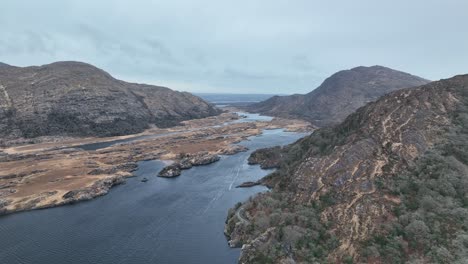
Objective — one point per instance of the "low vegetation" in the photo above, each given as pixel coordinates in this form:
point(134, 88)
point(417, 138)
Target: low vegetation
point(422, 212)
point(294, 230)
point(432, 219)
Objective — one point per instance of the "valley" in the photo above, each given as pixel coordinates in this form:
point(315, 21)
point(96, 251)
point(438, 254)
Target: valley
point(60, 171)
point(176, 220)
point(387, 185)
point(222, 132)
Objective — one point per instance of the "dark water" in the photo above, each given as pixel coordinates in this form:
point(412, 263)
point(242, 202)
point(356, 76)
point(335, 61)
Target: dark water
point(101, 145)
point(178, 220)
point(247, 117)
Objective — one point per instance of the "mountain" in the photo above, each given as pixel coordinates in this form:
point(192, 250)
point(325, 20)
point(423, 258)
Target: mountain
point(387, 185)
point(339, 95)
point(78, 99)
point(4, 65)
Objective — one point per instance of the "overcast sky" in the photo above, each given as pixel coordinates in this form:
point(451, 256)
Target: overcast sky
point(244, 46)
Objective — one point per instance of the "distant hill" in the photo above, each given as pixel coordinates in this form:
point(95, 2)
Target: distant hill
point(4, 65)
point(339, 95)
point(387, 185)
point(233, 99)
point(78, 99)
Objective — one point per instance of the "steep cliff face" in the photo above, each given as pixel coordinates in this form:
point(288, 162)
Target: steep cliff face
point(339, 95)
point(73, 98)
point(388, 185)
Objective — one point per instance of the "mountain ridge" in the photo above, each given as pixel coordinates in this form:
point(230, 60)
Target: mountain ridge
point(339, 95)
point(78, 99)
point(387, 185)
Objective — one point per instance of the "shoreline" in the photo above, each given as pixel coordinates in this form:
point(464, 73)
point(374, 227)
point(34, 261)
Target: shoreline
point(40, 178)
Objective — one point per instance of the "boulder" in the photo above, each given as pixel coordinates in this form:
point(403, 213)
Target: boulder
point(233, 149)
point(170, 171)
point(248, 184)
point(204, 159)
point(185, 164)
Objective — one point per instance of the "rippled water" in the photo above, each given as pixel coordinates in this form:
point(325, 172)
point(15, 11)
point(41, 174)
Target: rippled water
point(179, 220)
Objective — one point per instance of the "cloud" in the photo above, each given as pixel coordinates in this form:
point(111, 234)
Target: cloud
point(235, 74)
point(260, 46)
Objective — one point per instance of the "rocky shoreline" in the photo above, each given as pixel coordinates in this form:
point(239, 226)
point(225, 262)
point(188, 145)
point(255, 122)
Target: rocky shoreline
point(248, 184)
point(99, 188)
point(187, 161)
point(102, 187)
point(55, 173)
point(269, 158)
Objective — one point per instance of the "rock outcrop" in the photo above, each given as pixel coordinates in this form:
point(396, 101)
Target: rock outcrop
point(248, 184)
point(77, 99)
point(267, 158)
point(171, 171)
point(203, 158)
point(233, 149)
point(187, 161)
point(339, 95)
point(388, 185)
point(99, 188)
point(55, 198)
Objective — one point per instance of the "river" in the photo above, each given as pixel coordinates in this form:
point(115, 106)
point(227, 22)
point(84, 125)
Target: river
point(177, 220)
point(245, 117)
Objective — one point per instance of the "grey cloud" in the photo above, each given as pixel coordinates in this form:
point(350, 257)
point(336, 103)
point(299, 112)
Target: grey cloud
point(246, 75)
point(277, 46)
point(161, 51)
point(26, 42)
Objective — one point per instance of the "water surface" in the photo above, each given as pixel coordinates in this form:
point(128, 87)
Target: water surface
point(179, 220)
point(250, 117)
point(246, 117)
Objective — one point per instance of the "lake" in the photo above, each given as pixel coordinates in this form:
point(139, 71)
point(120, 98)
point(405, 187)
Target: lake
point(177, 220)
point(245, 117)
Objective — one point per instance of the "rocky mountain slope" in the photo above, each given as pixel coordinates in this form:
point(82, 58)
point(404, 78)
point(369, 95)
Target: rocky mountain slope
point(388, 185)
point(339, 95)
point(77, 99)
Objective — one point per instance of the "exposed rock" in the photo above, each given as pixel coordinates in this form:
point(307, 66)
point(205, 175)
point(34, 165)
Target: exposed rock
point(267, 158)
point(77, 99)
point(4, 192)
point(187, 162)
point(13, 176)
point(339, 96)
point(233, 149)
point(171, 171)
point(3, 205)
point(128, 167)
point(338, 188)
point(54, 198)
point(99, 188)
point(203, 158)
point(83, 168)
point(255, 245)
point(248, 184)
